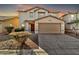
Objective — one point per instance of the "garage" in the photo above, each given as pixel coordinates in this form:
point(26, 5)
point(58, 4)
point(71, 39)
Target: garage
point(49, 24)
point(49, 28)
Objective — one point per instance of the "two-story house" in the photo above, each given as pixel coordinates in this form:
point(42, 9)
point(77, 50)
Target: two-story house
point(69, 18)
point(41, 20)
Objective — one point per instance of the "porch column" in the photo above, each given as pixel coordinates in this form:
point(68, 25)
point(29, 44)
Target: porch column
point(27, 26)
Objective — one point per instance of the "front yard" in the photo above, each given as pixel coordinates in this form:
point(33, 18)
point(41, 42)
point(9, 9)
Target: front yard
point(9, 45)
point(50, 44)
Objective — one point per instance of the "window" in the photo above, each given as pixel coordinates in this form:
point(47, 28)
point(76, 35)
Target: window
point(31, 14)
point(41, 14)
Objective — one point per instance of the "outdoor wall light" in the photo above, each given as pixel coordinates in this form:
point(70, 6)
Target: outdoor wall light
point(23, 25)
point(72, 16)
point(11, 25)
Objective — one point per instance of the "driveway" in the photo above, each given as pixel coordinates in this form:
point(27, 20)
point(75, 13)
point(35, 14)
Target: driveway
point(59, 44)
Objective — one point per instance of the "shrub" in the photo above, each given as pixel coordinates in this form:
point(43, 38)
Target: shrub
point(19, 29)
point(9, 29)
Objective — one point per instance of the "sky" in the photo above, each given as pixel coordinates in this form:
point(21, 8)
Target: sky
point(11, 9)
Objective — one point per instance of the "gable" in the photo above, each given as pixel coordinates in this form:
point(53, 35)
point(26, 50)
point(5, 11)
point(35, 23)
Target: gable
point(49, 19)
point(41, 10)
point(34, 8)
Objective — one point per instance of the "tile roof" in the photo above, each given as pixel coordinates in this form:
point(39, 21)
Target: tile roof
point(49, 10)
point(6, 17)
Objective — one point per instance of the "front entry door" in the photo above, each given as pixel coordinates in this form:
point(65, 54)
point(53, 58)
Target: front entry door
point(32, 27)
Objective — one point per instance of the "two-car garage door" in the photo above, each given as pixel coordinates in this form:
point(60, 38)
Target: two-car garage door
point(49, 28)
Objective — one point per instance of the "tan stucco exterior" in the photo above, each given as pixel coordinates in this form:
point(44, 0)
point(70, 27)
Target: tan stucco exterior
point(25, 15)
point(14, 21)
point(70, 18)
point(49, 20)
point(37, 16)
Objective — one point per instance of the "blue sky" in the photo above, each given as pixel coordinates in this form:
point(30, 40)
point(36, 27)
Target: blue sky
point(10, 9)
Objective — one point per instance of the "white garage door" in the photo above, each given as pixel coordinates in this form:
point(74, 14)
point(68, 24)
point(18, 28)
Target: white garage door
point(49, 28)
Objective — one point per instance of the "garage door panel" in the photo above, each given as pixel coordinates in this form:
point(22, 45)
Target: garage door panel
point(49, 27)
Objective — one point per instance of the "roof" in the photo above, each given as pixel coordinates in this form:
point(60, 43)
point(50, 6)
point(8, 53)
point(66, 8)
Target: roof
point(49, 16)
point(44, 17)
point(69, 13)
point(41, 8)
point(2, 18)
point(27, 10)
point(64, 15)
point(38, 9)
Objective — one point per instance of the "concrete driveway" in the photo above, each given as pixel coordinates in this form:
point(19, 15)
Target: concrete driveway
point(59, 44)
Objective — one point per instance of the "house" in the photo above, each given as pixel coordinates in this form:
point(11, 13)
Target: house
point(41, 20)
point(8, 21)
point(68, 18)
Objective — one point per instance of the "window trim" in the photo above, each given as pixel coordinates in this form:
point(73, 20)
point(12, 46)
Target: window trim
point(31, 14)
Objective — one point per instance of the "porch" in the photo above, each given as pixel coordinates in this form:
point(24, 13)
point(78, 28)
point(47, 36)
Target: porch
point(30, 25)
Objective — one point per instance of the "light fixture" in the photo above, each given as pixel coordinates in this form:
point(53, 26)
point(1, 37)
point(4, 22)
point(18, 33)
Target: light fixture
point(23, 25)
point(72, 16)
point(11, 25)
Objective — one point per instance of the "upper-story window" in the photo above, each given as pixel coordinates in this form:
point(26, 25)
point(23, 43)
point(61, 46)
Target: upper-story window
point(31, 14)
point(41, 14)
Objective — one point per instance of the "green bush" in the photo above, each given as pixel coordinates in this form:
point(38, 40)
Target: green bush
point(19, 29)
point(9, 29)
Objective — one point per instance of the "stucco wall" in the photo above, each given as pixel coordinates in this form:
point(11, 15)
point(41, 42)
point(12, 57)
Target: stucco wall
point(54, 14)
point(1, 27)
point(14, 22)
point(69, 18)
point(27, 27)
point(40, 10)
point(26, 15)
point(22, 16)
point(49, 20)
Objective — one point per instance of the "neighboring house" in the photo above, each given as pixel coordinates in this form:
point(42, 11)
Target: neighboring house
point(8, 21)
point(40, 20)
point(68, 18)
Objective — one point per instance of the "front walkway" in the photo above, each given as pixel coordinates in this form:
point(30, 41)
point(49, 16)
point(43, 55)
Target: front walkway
point(59, 44)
